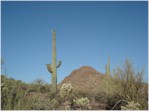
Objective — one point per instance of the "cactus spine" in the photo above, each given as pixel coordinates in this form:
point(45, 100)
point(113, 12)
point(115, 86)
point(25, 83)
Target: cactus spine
point(107, 67)
point(52, 67)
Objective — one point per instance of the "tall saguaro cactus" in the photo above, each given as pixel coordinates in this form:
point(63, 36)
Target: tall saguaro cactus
point(107, 67)
point(52, 67)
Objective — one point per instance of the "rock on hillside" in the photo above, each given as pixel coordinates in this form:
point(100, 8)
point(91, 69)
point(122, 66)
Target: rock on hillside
point(85, 79)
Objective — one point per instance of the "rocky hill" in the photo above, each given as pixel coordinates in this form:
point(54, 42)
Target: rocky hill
point(85, 79)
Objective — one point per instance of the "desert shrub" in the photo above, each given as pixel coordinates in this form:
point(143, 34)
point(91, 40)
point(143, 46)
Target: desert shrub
point(131, 106)
point(66, 90)
point(82, 103)
point(127, 84)
point(66, 105)
point(55, 104)
point(45, 88)
point(130, 83)
point(32, 88)
point(13, 94)
point(39, 86)
point(4, 92)
point(101, 97)
point(39, 102)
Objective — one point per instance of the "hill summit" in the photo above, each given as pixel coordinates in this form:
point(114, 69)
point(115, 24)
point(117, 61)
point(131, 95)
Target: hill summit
point(85, 79)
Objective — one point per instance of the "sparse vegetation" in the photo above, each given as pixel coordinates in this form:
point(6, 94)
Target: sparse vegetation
point(123, 90)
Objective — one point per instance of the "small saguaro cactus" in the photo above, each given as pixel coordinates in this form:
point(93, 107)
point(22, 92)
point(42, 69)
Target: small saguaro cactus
point(52, 67)
point(107, 67)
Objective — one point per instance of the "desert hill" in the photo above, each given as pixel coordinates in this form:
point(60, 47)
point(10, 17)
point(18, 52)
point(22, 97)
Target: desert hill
point(85, 79)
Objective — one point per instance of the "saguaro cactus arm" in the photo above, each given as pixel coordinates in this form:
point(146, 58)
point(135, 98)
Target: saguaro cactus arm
point(59, 64)
point(49, 68)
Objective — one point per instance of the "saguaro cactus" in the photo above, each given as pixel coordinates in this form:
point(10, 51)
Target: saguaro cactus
point(52, 67)
point(107, 67)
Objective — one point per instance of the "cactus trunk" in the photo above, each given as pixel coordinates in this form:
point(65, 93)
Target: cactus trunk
point(108, 67)
point(52, 67)
point(54, 74)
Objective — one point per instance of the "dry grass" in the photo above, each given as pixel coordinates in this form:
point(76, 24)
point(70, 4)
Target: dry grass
point(126, 84)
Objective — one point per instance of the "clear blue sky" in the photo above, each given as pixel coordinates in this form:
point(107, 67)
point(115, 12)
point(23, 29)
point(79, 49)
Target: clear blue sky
point(86, 33)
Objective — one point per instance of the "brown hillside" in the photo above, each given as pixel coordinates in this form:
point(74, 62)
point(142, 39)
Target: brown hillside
point(85, 79)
